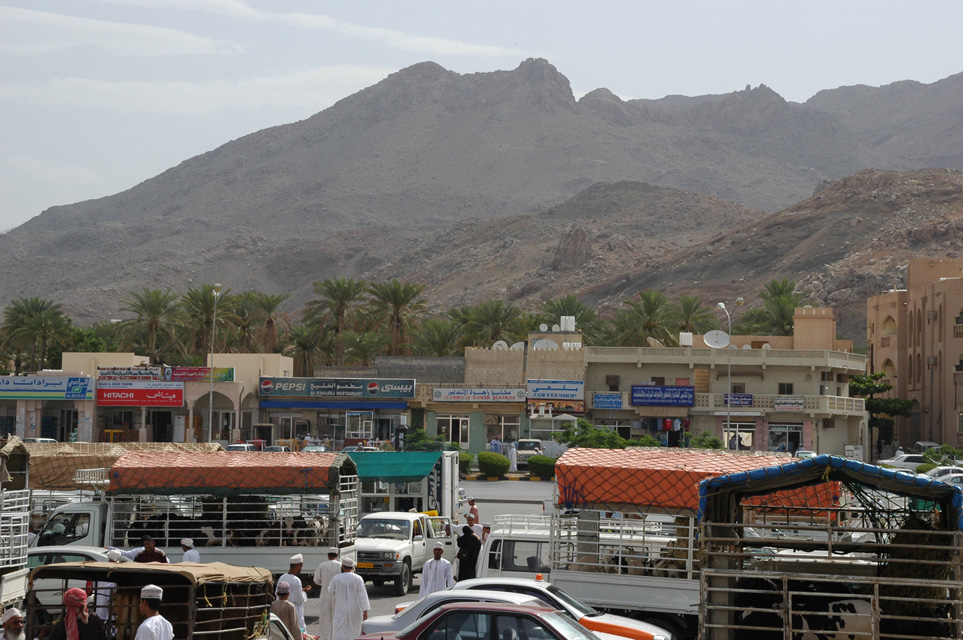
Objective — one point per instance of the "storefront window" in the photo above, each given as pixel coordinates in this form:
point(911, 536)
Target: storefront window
point(785, 437)
point(740, 436)
point(454, 428)
point(504, 427)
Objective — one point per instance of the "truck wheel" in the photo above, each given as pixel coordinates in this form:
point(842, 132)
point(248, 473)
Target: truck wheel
point(403, 581)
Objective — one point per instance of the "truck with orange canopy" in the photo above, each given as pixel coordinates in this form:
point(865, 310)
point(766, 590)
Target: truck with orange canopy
point(623, 533)
point(237, 508)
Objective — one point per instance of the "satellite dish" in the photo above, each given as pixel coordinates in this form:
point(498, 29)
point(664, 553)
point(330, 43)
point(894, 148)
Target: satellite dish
point(766, 347)
point(543, 327)
point(556, 328)
point(746, 346)
point(545, 345)
point(500, 345)
point(652, 342)
point(518, 346)
point(716, 339)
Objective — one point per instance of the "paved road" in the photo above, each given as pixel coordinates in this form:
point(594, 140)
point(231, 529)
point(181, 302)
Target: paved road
point(491, 498)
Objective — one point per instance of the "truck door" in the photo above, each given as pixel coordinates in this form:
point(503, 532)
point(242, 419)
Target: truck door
point(440, 530)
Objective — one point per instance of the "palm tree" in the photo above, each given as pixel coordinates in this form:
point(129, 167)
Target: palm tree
point(397, 305)
point(586, 319)
point(267, 309)
point(360, 349)
point(688, 314)
point(493, 320)
point(337, 297)
point(303, 343)
point(645, 319)
point(196, 317)
point(438, 337)
point(153, 311)
point(775, 317)
point(35, 324)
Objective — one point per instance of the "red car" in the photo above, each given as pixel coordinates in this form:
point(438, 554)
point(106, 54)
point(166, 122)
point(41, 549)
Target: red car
point(492, 621)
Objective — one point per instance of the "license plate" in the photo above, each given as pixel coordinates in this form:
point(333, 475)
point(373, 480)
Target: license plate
point(365, 565)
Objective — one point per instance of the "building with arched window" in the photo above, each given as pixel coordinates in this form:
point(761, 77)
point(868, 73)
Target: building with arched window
point(915, 337)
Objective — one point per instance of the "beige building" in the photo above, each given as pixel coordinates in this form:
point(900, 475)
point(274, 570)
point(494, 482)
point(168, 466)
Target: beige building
point(915, 336)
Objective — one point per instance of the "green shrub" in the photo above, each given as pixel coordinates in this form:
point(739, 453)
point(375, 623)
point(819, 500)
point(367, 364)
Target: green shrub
point(541, 466)
point(705, 440)
point(464, 462)
point(923, 468)
point(493, 465)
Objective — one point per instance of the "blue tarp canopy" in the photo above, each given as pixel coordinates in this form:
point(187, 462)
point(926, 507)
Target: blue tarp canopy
point(394, 466)
point(720, 493)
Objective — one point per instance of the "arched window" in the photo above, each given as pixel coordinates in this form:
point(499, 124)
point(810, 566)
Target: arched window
point(889, 368)
point(889, 326)
point(919, 369)
point(909, 377)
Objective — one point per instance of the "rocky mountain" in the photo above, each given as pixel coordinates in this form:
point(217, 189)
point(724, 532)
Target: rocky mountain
point(479, 185)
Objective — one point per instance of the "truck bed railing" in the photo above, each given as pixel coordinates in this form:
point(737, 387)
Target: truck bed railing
point(14, 528)
point(94, 478)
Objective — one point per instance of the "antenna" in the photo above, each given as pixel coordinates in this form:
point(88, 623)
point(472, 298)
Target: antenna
point(716, 339)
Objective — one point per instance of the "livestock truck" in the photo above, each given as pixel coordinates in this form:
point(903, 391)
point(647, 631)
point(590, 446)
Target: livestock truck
point(14, 522)
point(622, 535)
point(238, 508)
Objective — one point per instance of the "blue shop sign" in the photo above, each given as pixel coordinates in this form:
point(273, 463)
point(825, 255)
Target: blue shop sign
point(607, 401)
point(648, 395)
point(737, 399)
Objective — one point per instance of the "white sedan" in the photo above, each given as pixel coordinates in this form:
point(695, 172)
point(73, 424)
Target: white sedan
point(411, 611)
point(938, 472)
point(908, 461)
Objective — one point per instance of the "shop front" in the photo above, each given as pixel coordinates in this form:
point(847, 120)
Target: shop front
point(140, 410)
point(553, 405)
point(471, 417)
point(664, 412)
point(58, 407)
point(340, 411)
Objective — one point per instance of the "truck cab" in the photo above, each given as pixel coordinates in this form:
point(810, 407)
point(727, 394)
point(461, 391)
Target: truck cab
point(393, 546)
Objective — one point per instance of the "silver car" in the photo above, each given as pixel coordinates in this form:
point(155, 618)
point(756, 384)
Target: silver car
point(422, 607)
point(49, 593)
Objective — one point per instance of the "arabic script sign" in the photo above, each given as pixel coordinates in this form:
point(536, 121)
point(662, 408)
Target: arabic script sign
point(337, 388)
point(46, 388)
point(789, 404)
point(647, 395)
point(556, 390)
point(607, 401)
point(139, 393)
point(486, 394)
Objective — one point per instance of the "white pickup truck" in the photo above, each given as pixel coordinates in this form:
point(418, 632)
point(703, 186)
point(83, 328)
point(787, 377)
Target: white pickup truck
point(393, 546)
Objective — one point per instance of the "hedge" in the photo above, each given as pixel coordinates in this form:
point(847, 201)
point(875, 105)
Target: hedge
point(541, 466)
point(493, 465)
point(464, 462)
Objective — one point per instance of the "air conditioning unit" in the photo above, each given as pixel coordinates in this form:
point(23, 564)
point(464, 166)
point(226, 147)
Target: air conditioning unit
point(931, 315)
point(932, 360)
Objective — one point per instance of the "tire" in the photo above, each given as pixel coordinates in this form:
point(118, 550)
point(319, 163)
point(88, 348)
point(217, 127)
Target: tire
point(378, 582)
point(403, 581)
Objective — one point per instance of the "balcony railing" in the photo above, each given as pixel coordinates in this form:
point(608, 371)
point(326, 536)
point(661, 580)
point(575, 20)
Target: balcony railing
point(811, 404)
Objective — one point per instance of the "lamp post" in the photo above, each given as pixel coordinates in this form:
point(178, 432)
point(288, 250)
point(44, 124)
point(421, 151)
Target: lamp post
point(210, 399)
point(722, 305)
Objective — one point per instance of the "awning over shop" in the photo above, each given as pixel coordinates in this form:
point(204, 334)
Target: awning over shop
point(394, 466)
point(348, 405)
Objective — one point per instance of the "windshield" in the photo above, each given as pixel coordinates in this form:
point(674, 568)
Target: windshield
point(383, 528)
point(569, 629)
point(571, 603)
point(528, 446)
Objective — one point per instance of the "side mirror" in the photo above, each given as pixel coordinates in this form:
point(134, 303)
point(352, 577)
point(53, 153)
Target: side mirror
point(418, 537)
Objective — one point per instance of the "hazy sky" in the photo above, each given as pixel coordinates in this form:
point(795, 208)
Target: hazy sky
point(99, 95)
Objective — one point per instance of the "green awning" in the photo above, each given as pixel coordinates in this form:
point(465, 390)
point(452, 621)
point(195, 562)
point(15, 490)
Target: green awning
point(394, 466)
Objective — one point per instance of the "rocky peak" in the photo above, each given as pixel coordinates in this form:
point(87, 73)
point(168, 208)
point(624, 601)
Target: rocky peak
point(573, 249)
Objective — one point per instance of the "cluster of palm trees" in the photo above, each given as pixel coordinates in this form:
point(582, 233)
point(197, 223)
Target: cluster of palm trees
point(350, 322)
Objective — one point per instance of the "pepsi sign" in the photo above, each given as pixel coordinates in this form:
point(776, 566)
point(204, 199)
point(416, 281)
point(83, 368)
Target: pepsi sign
point(337, 387)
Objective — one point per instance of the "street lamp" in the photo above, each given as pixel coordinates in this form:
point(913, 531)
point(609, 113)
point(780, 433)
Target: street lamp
point(722, 305)
point(210, 399)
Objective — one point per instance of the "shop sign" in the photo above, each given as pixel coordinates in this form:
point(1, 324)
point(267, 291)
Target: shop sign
point(46, 388)
point(548, 408)
point(337, 387)
point(737, 399)
point(556, 390)
point(485, 394)
point(649, 395)
point(607, 401)
point(198, 374)
point(789, 404)
point(139, 393)
point(130, 373)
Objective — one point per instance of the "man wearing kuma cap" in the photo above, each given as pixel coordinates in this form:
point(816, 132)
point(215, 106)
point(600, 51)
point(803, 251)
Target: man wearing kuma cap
point(298, 593)
point(12, 622)
point(154, 626)
point(350, 602)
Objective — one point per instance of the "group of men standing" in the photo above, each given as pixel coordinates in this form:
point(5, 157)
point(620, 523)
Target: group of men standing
point(343, 599)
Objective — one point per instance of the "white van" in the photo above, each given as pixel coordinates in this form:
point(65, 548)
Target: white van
point(517, 551)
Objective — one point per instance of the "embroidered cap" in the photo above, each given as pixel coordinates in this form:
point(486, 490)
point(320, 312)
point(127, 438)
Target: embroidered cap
point(152, 591)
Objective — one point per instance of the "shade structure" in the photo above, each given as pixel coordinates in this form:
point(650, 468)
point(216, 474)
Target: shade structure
point(394, 466)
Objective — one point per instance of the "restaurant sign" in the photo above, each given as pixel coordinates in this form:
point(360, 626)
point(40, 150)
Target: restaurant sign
point(337, 388)
point(484, 394)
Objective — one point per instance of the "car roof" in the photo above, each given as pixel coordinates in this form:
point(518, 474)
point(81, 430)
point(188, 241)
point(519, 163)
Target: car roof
point(67, 548)
point(517, 598)
point(498, 606)
point(503, 580)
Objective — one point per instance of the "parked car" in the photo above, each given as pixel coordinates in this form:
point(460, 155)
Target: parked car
point(276, 448)
point(40, 440)
point(907, 461)
point(939, 472)
point(951, 478)
point(315, 448)
point(576, 610)
point(408, 612)
point(351, 448)
point(922, 445)
point(804, 454)
point(492, 621)
point(525, 449)
point(240, 447)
